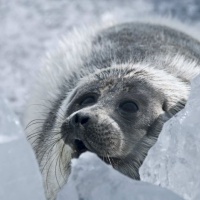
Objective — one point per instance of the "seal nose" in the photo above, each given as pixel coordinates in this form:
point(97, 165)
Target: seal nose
point(79, 119)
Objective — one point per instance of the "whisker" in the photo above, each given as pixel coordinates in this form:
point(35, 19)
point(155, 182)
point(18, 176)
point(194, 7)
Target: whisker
point(60, 160)
point(34, 124)
point(35, 141)
point(33, 121)
point(48, 155)
point(49, 170)
point(56, 170)
point(109, 160)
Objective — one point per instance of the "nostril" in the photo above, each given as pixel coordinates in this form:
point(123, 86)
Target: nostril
point(79, 119)
point(84, 120)
point(76, 119)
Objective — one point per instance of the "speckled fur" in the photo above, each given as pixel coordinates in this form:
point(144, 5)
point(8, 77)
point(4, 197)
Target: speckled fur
point(152, 53)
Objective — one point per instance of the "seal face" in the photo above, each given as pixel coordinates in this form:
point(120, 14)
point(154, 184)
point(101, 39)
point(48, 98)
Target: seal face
point(111, 117)
point(109, 94)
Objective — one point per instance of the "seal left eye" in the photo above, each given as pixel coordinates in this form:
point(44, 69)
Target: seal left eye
point(88, 101)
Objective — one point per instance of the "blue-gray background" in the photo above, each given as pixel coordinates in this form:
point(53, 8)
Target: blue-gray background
point(29, 28)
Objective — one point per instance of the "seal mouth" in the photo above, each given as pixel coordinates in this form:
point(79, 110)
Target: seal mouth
point(79, 147)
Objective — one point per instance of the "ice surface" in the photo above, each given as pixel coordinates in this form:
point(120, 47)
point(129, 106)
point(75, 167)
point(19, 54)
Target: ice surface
point(174, 161)
point(92, 179)
point(20, 178)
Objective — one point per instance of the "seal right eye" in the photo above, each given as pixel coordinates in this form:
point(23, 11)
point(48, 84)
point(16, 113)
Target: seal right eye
point(88, 101)
point(129, 107)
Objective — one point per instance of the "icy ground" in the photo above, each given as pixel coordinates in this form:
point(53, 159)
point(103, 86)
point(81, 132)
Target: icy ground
point(174, 161)
point(19, 173)
point(92, 179)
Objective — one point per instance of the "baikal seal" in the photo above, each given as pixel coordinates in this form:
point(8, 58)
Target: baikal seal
point(109, 89)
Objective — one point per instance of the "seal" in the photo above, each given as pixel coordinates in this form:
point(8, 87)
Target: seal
point(109, 90)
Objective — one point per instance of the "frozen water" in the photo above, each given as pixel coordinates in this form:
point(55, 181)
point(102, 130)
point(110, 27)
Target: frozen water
point(92, 179)
point(174, 161)
point(19, 174)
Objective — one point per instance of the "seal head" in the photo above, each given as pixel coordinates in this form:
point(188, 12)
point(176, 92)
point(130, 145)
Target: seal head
point(118, 117)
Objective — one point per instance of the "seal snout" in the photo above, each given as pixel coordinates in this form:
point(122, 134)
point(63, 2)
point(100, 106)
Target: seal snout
point(95, 131)
point(80, 119)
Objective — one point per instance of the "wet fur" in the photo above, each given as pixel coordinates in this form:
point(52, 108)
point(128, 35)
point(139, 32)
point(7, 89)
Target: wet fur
point(166, 59)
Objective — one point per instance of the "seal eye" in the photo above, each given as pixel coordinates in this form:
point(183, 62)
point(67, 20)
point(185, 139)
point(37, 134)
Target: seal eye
point(88, 101)
point(128, 107)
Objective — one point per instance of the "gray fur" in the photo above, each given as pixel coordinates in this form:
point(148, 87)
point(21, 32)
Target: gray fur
point(150, 64)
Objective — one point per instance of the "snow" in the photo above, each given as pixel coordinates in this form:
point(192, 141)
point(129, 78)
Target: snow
point(92, 179)
point(19, 172)
point(174, 161)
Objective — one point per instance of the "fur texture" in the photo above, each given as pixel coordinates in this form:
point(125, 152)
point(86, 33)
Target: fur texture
point(164, 58)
